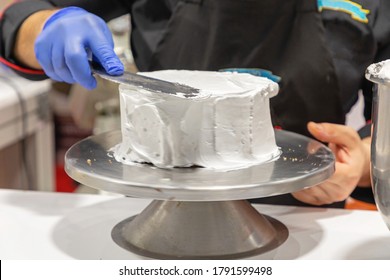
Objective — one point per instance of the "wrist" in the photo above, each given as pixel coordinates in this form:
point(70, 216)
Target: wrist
point(26, 36)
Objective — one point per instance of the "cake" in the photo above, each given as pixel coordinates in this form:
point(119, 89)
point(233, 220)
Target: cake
point(229, 129)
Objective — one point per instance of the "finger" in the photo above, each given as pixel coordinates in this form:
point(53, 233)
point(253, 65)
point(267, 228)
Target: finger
point(318, 195)
point(339, 186)
point(333, 133)
point(59, 64)
point(77, 60)
point(313, 195)
point(344, 177)
point(313, 147)
point(342, 154)
point(306, 198)
point(43, 55)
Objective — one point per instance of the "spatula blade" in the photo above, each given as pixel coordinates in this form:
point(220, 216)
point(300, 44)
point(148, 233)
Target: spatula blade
point(149, 83)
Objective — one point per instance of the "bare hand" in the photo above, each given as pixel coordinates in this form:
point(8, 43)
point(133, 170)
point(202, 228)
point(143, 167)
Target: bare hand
point(352, 164)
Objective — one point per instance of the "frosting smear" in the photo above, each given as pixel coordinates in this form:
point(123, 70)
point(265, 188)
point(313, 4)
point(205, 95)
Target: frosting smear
point(229, 129)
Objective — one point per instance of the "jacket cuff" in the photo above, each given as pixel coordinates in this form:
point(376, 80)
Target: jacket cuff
point(365, 131)
point(11, 20)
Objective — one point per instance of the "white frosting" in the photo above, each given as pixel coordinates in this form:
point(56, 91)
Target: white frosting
point(380, 70)
point(386, 69)
point(230, 129)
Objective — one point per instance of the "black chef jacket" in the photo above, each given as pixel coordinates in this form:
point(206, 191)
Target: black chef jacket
point(320, 51)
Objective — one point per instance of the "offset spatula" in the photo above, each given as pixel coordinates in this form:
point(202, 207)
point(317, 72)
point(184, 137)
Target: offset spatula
point(148, 83)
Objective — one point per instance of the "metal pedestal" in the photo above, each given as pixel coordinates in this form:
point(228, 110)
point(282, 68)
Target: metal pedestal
point(199, 230)
point(200, 213)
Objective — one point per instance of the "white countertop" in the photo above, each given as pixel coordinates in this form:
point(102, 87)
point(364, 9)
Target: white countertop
point(43, 225)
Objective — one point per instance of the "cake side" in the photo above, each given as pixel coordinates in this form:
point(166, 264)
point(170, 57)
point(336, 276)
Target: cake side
point(228, 130)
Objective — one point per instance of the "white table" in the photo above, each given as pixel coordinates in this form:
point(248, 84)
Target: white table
point(34, 124)
point(43, 225)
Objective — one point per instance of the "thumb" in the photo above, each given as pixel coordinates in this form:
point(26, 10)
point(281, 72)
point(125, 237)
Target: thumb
point(340, 135)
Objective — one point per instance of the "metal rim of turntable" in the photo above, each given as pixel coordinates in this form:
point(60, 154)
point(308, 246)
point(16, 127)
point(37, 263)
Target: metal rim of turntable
point(199, 213)
point(303, 162)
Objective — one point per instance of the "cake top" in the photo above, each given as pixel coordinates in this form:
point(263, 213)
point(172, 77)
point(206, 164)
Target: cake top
point(212, 83)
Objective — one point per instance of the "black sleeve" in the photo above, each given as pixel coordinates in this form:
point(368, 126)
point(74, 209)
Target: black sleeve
point(106, 9)
point(10, 21)
point(14, 16)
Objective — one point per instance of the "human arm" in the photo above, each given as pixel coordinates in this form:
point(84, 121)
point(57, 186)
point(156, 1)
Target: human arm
point(352, 164)
point(26, 37)
point(63, 41)
point(17, 49)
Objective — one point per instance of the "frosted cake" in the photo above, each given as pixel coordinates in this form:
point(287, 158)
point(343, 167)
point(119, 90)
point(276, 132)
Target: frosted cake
point(230, 129)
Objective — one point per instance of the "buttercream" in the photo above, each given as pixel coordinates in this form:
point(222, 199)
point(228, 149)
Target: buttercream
point(229, 129)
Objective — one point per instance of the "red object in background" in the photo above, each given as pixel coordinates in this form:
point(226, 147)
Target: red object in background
point(63, 182)
point(66, 134)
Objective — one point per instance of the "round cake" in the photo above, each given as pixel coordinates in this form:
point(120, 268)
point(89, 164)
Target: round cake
point(229, 129)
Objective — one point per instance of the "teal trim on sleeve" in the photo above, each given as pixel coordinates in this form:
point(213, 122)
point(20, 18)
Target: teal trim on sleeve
point(355, 10)
point(254, 71)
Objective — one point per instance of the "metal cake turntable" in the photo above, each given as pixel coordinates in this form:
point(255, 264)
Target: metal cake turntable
point(199, 213)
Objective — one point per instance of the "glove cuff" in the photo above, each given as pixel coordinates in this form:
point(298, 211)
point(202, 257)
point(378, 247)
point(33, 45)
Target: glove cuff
point(63, 12)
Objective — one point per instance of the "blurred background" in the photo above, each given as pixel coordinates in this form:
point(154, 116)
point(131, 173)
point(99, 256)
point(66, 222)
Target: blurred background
point(40, 121)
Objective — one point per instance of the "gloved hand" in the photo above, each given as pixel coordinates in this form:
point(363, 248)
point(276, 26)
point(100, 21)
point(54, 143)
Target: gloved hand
point(68, 39)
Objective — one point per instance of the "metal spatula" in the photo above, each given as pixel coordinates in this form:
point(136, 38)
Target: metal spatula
point(148, 83)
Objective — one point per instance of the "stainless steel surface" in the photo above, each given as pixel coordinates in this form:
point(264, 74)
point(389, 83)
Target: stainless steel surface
point(148, 83)
point(199, 230)
point(380, 145)
point(203, 215)
point(304, 162)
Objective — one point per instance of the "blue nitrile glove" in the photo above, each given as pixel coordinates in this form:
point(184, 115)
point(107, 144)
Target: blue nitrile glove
point(66, 42)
